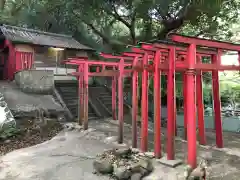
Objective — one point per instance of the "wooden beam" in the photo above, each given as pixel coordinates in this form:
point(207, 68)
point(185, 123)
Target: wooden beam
point(205, 42)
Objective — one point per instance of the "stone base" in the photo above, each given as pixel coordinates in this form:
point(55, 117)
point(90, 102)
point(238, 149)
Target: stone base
point(170, 163)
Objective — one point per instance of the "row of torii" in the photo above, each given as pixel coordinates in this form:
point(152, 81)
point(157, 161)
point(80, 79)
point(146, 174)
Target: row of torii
point(184, 54)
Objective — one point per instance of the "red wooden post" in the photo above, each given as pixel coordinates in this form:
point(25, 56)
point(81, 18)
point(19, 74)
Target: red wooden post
point(190, 105)
point(22, 60)
point(185, 104)
point(97, 69)
point(18, 61)
point(157, 105)
point(144, 108)
point(216, 59)
point(86, 71)
point(80, 95)
point(31, 60)
point(103, 67)
point(171, 123)
point(134, 104)
point(120, 100)
point(114, 84)
point(200, 106)
point(239, 61)
point(239, 58)
point(11, 68)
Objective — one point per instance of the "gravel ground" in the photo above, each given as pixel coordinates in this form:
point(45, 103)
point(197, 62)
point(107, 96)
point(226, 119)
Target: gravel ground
point(29, 133)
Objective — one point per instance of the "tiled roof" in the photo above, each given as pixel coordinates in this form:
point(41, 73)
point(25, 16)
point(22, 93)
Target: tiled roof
point(23, 35)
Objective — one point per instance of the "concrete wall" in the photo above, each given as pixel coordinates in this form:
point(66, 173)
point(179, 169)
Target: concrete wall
point(228, 123)
point(35, 81)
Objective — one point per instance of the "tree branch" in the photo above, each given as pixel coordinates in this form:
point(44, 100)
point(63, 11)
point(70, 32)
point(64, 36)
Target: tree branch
point(174, 23)
point(96, 31)
point(117, 16)
point(132, 27)
point(161, 14)
point(199, 34)
point(184, 10)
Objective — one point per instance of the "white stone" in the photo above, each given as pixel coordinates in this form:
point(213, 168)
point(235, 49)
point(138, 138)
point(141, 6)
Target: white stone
point(111, 139)
point(149, 154)
point(135, 150)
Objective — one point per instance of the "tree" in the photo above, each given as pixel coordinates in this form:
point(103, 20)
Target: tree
point(111, 24)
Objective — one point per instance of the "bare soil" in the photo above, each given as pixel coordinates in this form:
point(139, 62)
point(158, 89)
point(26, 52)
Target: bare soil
point(28, 134)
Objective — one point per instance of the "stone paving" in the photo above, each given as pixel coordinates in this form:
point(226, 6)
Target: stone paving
point(70, 156)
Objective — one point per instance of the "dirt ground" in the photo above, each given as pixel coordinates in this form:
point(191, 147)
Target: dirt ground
point(224, 163)
point(29, 134)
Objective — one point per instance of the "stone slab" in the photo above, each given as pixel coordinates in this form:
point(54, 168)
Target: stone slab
point(170, 163)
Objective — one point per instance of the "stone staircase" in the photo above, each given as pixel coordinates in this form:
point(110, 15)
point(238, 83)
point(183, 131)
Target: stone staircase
point(69, 94)
point(106, 99)
point(101, 103)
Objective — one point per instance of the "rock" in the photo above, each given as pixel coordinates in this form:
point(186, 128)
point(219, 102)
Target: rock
point(103, 166)
point(122, 173)
point(135, 150)
point(157, 177)
point(7, 141)
point(136, 167)
point(144, 172)
point(69, 126)
point(121, 163)
point(197, 173)
point(111, 139)
point(122, 152)
point(136, 176)
point(88, 130)
point(146, 166)
point(94, 172)
point(207, 157)
point(149, 154)
point(61, 118)
point(72, 126)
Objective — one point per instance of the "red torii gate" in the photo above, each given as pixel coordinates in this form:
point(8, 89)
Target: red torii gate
point(167, 59)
